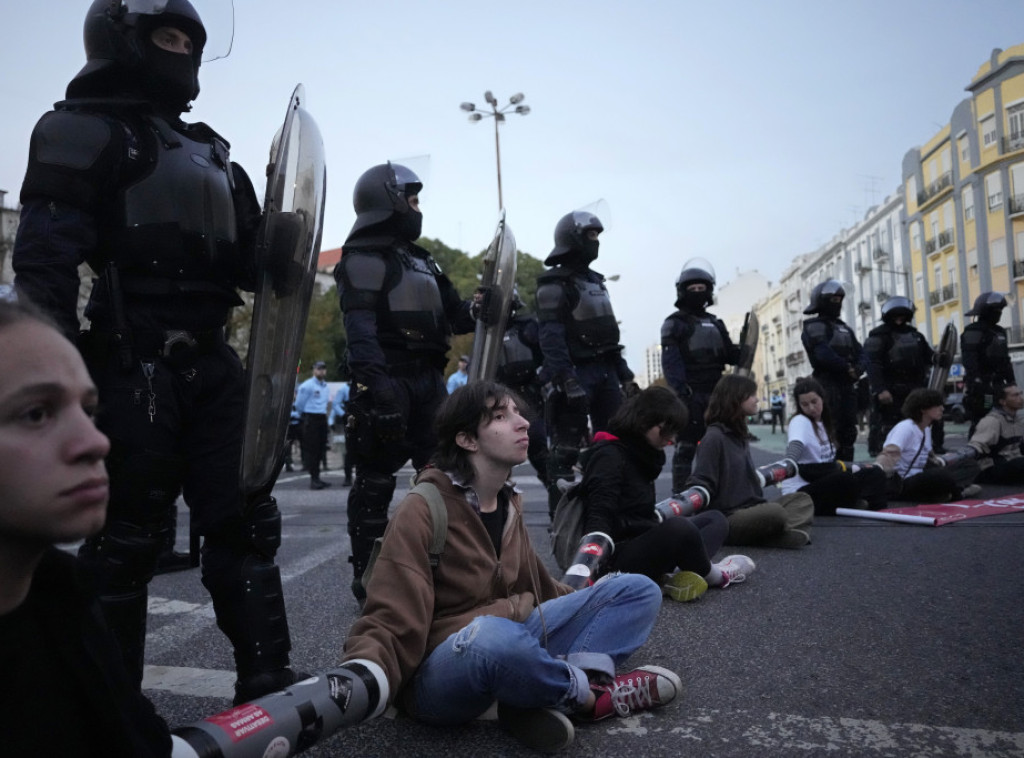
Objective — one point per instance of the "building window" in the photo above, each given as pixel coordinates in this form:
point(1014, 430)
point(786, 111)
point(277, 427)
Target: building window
point(994, 190)
point(997, 252)
point(952, 271)
point(911, 190)
point(938, 276)
point(972, 263)
point(988, 131)
point(1015, 122)
point(965, 148)
point(915, 237)
point(968, 198)
point(919, 286)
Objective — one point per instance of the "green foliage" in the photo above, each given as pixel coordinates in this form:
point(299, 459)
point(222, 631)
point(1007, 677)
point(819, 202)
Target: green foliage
point(325, 338)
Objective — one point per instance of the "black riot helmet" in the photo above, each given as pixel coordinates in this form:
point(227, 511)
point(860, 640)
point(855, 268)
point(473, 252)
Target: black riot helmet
point(821, 299)
point(898, 306)
point(516, 304)
point(381, 202)
point(573, 243)
point(695, 270)
point(988, 306)
point(121, 57)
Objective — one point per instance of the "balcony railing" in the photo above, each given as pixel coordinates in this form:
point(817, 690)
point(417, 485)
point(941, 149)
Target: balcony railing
point(1013, 142)
point(935, 297)
point(931, 246)
point(1018, 269)
point(882, 296)
point(1016, 204)
point(949, 293)
point(943, 182)
point(880, 254)
point(946, 238)
point(792, 359)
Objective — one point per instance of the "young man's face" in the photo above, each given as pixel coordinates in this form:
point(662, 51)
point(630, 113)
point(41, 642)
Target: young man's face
point(1013, 399)
point(503, 439)
point(53, 484)
point(933, 414)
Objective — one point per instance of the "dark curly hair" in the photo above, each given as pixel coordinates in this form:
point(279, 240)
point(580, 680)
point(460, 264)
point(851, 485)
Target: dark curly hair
point(726, 399)
point(647, 409)
point(918, 401)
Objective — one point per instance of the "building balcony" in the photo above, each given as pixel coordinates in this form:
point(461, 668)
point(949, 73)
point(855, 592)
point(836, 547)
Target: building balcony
point(882, 296)
point(793, 359)
point(780, 373)
point(863, 306)
point(1013, 143)
point(936, 188)
point(931, 246)
point(949, 292)
point(1015, 335)
point(1018, 269)
point(880, 254)
point(1016, 204)
point(934, 297)
point(946, 239)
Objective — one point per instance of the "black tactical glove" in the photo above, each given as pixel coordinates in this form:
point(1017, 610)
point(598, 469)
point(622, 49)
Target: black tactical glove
point(575, 395)
point(629, 389)
point(685, 391)
point(386, 419)
point(485, 307)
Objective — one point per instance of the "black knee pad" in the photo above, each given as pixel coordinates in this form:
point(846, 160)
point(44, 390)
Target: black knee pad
point(263, 528)
point(123, 556)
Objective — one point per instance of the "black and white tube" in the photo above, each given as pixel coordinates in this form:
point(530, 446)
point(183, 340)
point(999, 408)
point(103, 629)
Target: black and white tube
point(686, 503)
point(590, 561)
point(290, 721)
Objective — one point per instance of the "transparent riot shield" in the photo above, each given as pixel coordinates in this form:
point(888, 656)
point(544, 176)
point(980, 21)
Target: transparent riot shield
point(498, 279)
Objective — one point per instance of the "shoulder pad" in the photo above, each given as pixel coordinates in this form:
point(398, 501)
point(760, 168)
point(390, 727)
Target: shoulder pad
point(556, 274)
point(203, 133)
point(550, 297)
point(361, 270)
point(815, 329)
point(71, 139)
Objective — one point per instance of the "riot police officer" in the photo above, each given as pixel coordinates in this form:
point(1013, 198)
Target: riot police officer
point(837, 360)
point(695, 348)
point(984, 350)
point(898, 361)
point(518, 363)
point(584, 372)
point(167, 222)
point(399, 312)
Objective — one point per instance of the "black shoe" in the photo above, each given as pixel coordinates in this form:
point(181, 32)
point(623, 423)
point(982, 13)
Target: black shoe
point(257, 685)
point(543, 729)
point(289, 467)
point(319, 484)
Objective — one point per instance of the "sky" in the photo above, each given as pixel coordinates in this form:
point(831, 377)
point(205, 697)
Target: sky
point(746, 132)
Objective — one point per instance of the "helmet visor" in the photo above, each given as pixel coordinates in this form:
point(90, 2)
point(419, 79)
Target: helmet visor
point(217, 16)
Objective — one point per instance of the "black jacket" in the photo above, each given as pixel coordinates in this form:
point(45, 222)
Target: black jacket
point(618, 486)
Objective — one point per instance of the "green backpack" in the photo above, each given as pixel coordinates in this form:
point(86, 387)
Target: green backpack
point(439, 516)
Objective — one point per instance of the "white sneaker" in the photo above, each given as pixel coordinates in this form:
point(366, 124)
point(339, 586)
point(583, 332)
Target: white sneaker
point(970, 490)
point(736, 569)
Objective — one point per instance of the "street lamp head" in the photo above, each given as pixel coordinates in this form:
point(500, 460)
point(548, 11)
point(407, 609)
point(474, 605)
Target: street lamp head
point(475, 116)
point(522, 110)
point(516, 98)
point(468, 107)
point(499, 116)
point(490, 98)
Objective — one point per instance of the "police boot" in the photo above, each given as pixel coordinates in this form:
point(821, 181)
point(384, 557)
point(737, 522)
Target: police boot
point(120, 562)
point(245, 585)
point(682, 464)
point(368, 502)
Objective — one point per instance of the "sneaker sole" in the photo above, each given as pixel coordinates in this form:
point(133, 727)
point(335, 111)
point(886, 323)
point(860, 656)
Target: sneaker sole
point(543, 729)
point(684, 587)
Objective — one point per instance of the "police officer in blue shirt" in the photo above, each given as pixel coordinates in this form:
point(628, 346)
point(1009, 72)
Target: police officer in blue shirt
point(339, 419)
point(312, 401)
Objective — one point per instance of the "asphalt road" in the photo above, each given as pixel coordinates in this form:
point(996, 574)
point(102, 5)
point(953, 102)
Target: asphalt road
point(876, 640)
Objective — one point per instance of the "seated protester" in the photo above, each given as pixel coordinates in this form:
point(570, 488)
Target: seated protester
point(54, 489)
point(447, 637)
point(619, 472)
point(917, 475)
point(830, 483)
point(724, 468)
point(998, 437)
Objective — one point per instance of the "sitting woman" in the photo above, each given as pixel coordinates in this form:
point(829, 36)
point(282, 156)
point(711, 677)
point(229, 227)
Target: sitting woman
point(830, 483)
point(917, 475)
point(724, 468)
point(619, 472)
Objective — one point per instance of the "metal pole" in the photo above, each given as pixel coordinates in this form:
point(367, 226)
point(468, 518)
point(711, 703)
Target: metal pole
point(497, 153)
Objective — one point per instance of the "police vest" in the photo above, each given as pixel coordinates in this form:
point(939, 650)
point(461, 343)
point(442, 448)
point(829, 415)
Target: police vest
point(516, 364)
point(705, 347)
point(415, 315)
point(905, 357)
point(592, 329)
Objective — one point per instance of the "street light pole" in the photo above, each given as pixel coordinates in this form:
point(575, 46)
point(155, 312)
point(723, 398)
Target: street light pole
point(498, 114)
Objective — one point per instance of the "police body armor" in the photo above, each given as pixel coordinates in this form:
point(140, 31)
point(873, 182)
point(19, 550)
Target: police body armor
point(517, 365)
point(592, 329)
point(905, 356)
point(179, 219)
point(415, 312)
point(842, 340)
point(705, 346)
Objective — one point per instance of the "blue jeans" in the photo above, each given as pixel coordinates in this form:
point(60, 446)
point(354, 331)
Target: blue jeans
point(499, 659)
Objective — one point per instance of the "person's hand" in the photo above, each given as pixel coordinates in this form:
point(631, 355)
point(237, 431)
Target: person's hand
point(386, 418)
point(686, 391)
point(485, 306)
point(522, 605)
point(854, 373)
point(885, 397)
point(629, 389)
point(575, 395)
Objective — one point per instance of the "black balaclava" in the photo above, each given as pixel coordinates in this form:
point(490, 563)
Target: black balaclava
point(831, 310)
point(169, 79)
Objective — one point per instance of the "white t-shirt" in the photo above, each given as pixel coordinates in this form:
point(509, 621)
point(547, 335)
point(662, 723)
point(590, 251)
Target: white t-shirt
point(817, 449)
point(907, 436)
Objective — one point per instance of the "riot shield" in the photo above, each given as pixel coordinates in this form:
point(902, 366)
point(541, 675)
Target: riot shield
point(748, 345)
point(943, 359)
point(287, 250)
point(499, 277)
